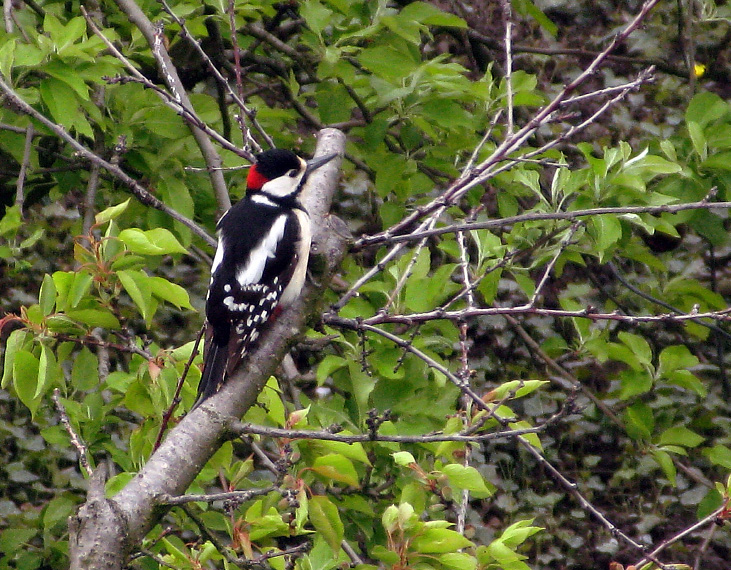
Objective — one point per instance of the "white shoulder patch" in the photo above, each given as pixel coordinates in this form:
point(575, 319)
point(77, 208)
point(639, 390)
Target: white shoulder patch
point(218, 258)
point(253, 269)
point(264, 200)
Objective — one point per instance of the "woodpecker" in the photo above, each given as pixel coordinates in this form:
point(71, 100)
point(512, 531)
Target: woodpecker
point(260, 262)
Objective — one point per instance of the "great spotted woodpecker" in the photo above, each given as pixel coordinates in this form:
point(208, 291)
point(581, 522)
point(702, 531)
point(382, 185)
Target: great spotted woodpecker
point(260, 263)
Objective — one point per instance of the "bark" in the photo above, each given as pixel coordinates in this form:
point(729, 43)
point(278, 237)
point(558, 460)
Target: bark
point(104, 532)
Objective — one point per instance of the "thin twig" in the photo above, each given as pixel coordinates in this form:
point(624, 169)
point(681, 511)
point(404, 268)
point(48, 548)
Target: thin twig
point(709, 519)
point(8, 15)
point(28, 146)
point(158, 559)
point(248, 429)
point(551, 264)
point(239, 496)
point(378, 239)
point(587, 313)
point(508, 18)
point(407, 271)
point(176, 397)
point(574, 382)
point(573, 490)
point(81, 448)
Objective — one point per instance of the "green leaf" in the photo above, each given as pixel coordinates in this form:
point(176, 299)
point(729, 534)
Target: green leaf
point(354, 451)
point(458, 561)
point(698, 139)
point(506, 557)
point(333, 102)
point(64, 106)
point(403, 458)
point(25, 379)
point(14, 343)
point(666, 464)
point(387, 62)
point(7, 56)
point(687, 380)
point(46, 370)
point(57, 511)
point(518, 532)
point(431, 15)
point(528, 8)
point(325, 518)
point(639, 347)
point(640, 421)
point(316, 15)
point(11, 221)
point(720, 161)
point(719, 455)
point(47, 296)
point(466, 477)
point(112, 212)
point(137, 286)
point(79, 288)
point(634, 382)
point(336, 468)
point(158, 241)
point(85, 371)
point(13, 539)
point(170, 292)
point(680, 435)
point(69, 76)
point(331, 363)
point(439, 541)
point(607, 231)
point(677, 357)
point(95, 318)
point(520, 387)
point(706, 107)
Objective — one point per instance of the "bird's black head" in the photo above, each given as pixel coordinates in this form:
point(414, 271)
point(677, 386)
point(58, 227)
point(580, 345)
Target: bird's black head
point(281, 174)
point(272, 164)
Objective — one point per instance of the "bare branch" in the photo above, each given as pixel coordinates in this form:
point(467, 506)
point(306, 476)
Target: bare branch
point(535, 216)
point(81, 449)
point(213, 497)
point(19, 192)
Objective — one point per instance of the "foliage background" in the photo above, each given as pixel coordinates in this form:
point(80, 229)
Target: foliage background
point(418, 88)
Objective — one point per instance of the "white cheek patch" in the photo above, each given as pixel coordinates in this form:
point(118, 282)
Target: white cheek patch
point(254, 268)
point(283, 186)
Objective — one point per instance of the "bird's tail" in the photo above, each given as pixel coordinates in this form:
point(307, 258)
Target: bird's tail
point(214, 368)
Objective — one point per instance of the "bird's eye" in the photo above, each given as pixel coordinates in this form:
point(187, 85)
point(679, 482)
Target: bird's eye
point(292, 173)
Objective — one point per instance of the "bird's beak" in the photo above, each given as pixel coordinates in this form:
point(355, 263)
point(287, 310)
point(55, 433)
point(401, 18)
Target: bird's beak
point(316, 163)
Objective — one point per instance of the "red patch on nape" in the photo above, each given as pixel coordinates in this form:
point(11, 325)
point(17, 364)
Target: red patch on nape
point(255, 180)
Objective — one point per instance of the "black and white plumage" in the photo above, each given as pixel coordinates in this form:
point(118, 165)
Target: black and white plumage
point(260, 263)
